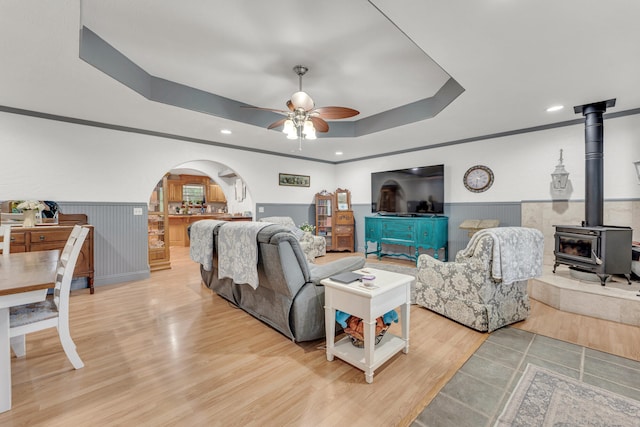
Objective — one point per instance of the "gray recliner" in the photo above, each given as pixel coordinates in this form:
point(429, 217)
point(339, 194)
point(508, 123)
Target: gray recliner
point(313, 246)
point(289, 296)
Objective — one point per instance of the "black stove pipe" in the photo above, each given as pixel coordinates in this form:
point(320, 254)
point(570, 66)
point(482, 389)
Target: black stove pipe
point(594, 171)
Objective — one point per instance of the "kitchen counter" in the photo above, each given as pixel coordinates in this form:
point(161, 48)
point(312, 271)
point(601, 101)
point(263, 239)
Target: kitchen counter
point(178, 224)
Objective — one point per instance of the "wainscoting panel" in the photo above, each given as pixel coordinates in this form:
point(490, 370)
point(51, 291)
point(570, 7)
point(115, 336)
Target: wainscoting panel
point(299, 213)
point(359, 212)
point(508, 213)
point(120, 240)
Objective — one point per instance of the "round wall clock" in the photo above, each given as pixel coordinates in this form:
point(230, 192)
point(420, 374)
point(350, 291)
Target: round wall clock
point(478, 178)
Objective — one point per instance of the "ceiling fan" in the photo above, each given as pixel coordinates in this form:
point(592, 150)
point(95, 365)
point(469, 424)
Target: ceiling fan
point(303, 119)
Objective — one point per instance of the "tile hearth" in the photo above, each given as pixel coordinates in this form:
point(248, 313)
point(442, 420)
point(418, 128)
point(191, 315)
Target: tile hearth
point(616, 301)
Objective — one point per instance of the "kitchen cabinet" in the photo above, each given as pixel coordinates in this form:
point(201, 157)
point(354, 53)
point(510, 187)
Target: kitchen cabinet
point(174, 190)
point(178, 230)
point(212, 191)
point(178, 225)
point(215, 194)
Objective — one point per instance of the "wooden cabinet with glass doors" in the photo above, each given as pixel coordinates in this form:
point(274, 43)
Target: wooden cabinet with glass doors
point(334, 220)
point(158, 223)
point(324, 215)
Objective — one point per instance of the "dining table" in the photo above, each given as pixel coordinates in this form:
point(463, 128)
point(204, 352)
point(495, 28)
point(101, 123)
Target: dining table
point(24, 278)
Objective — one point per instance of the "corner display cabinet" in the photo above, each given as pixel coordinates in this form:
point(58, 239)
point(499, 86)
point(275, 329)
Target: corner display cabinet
point(158, 228)
point(324, 215)
point(334, 220)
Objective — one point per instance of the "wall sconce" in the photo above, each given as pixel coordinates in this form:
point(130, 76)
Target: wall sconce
point(637, 164)
point(560, 176)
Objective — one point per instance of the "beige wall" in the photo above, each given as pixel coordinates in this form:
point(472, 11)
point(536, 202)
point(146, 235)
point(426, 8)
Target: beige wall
point(545, 215)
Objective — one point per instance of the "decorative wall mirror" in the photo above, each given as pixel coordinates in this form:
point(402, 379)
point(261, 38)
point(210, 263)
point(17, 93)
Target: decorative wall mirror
point(343, 199)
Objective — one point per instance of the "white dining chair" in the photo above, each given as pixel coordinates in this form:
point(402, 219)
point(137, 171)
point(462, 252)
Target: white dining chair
point(54, 310)
point(5, 245)
point(68, 246)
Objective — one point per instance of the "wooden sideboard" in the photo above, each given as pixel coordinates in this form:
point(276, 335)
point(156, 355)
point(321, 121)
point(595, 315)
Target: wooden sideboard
point(417, 232)
point(47, 237)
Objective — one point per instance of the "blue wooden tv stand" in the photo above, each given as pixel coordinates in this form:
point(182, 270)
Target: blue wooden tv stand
point(428, 232)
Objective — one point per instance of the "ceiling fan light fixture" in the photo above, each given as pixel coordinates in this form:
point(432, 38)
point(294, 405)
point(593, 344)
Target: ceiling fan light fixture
point(308, 126)
point(303, 119)
point(292, 134)
point(302, 100)
point(308, 130)
point(288, 126)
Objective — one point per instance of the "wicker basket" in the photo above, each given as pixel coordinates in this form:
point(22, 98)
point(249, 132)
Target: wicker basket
point(360, 344)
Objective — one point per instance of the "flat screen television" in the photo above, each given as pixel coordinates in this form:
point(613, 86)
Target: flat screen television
point(411, 191)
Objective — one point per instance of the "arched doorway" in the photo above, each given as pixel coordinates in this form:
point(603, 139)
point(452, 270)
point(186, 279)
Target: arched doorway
point(192, 191)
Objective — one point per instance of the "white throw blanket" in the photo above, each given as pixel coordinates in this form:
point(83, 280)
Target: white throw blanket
point(517, 252)
point(238, 251)
point(201, 242)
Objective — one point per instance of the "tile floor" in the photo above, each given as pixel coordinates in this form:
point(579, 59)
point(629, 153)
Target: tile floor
point(477, 393)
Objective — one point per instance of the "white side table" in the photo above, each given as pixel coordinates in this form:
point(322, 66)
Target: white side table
point(392, 290)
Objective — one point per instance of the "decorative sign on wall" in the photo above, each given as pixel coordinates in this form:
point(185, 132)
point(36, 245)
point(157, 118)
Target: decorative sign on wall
point(294, 180)
point(240, 190)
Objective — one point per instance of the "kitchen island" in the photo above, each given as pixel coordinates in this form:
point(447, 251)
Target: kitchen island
point(178, 224)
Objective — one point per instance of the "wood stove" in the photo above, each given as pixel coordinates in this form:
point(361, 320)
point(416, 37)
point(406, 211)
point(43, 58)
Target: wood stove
point(602, 250)
point(593, 247)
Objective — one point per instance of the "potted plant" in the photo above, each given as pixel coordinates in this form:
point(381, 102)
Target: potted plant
point(307, 228)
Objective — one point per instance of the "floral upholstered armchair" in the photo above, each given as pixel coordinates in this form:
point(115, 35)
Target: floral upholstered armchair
point(486, 287)
point(312, 246)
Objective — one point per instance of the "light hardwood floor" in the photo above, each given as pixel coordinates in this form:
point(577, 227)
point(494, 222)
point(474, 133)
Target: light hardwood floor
point(167, 351)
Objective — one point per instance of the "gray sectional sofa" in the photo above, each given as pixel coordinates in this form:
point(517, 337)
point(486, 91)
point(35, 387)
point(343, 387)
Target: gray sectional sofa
point(289, 296)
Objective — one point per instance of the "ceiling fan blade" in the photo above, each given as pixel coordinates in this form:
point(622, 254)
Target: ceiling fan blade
point(275, 110)
point(333, 113)
point(290, 105)
point(276, 124)
point(319, 124)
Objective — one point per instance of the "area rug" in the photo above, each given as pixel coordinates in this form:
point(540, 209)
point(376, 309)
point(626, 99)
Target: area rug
point(411, 271)
point(546, 398)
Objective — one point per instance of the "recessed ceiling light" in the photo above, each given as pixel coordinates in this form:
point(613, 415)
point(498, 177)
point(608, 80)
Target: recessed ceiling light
point(555, 108)
point(338, 153)
point(226, 131)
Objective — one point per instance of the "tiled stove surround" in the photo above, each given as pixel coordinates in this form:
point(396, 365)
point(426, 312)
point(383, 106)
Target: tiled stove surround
point(544, 215)
point(617, 301)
